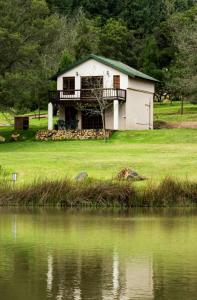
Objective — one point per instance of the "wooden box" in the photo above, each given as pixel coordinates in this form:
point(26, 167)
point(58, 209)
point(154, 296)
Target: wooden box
point(21, 123)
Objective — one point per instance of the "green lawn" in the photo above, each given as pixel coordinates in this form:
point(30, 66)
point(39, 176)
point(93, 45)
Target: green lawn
point(170, 112)
point(154, 154)
point(8, 119)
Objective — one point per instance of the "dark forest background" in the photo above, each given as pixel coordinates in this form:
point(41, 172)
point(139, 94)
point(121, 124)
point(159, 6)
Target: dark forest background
point(38, 38)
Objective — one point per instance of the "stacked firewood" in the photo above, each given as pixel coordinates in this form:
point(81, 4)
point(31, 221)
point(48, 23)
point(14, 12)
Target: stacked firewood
point(59, 135)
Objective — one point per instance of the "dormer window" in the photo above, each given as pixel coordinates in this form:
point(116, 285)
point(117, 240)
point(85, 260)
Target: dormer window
point(69, 85)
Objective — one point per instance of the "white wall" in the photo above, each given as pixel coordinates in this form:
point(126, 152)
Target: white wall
point(141, 84)
point(93, 68)
point(139, 104)
point(109, 117)
point(139, 110)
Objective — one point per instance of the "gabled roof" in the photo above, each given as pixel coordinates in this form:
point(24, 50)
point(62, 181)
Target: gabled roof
point(115, 64)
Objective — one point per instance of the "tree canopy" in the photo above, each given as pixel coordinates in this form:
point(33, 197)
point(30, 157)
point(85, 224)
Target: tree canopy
point(40, 37)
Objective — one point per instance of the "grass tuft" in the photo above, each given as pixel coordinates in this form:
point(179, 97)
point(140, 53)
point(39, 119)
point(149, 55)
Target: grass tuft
point(68, 193)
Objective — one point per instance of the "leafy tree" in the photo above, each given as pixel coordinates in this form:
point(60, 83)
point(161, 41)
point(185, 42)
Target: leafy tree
point(61, 6)
point(183, 72)
point(143, 15)
point(87, 37)
point(117, 42)
point(30, 38)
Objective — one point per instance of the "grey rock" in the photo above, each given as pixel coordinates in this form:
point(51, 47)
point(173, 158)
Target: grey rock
point(81, 176)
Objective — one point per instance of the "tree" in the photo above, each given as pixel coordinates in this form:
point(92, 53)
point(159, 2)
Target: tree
point(182, 74)
point(30, 38)
point(117, 42)
point(87, 36)
point(63, 7)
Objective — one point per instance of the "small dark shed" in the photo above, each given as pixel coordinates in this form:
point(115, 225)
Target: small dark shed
point(21, 123)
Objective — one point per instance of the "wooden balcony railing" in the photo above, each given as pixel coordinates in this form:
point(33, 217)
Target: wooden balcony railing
point(87, 95)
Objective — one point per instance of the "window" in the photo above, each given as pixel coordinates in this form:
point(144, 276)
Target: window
point(116, 81)
point(90, 82)
point(69, 85)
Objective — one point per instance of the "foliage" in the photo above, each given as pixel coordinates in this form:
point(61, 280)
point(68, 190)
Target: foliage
point(183, 72)
point(38, 38)
point(117, 41)
point(30, 38)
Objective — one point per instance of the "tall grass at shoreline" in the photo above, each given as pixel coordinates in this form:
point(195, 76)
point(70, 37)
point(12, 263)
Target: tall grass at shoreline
point(68, 193)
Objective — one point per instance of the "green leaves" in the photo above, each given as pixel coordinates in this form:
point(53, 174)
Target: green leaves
point(31, 43)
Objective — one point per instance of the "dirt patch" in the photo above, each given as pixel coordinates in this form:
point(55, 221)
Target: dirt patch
point(184, 124)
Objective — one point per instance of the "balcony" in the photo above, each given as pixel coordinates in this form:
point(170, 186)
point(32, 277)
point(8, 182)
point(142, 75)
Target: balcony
point(87, 95)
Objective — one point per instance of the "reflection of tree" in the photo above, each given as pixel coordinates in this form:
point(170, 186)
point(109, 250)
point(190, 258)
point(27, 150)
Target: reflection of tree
point(175, 278)
point(91, 277)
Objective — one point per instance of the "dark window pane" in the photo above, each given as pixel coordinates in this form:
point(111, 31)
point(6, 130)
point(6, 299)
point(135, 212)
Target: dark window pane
point(69, 85)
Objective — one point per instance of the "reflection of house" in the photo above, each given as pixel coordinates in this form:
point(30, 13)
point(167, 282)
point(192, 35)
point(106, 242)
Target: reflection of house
point(139, 279)
point(131, 279)
point(129, 92)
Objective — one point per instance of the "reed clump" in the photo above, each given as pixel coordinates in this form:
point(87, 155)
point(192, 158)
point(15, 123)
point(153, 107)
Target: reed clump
point(68, 193)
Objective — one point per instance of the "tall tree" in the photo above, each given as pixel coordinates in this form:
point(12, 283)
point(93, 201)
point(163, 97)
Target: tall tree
point(117, 42)
point(182, 75)
point(30, 38)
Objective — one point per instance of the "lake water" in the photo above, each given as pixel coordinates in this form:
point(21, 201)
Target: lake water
point(98, 254)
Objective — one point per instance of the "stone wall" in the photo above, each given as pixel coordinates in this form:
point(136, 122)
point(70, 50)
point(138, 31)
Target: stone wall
point(61, 135)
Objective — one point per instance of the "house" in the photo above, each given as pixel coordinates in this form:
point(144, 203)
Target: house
point(128, 92)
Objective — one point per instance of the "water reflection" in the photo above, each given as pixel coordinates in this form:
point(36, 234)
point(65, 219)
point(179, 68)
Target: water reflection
point(50, 274)
point(106, 255)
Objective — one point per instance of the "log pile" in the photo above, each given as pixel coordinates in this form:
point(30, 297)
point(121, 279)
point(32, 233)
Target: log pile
point(62, 135)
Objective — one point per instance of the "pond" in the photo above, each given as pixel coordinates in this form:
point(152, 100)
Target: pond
point(98, 254)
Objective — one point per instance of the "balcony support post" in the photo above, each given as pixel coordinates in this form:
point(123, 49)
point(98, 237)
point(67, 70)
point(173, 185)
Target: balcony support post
point(116, 114)
point(50, 116)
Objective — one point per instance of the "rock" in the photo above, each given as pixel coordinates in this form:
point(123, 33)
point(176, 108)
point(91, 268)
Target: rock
point(15, 137)
point(81, 176)
point(129, 174)
point(2, 139)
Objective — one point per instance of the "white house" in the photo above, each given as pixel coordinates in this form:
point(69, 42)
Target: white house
point(129, 92)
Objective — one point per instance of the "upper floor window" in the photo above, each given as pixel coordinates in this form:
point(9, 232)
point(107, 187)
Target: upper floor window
point(69, 85)
point(116, 81)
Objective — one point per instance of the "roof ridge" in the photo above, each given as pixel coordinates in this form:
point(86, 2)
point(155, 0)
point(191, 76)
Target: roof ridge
point(116, 64)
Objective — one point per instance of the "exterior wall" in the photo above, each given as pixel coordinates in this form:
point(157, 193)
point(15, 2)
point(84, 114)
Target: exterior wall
point(93, 68)
point(109, 117)
point(62, 113)
point(139, 105)
point(80, 120)
point(142, 85)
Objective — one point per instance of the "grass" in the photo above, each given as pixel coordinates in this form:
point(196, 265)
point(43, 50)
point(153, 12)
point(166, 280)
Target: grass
point(100, 193)
point(8, 119)
point(154, 154)
point(170, 112)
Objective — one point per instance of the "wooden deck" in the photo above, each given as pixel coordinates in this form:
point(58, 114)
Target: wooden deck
point(87, 95)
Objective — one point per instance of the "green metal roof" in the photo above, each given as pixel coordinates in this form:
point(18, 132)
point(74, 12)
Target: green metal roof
point(115, 64)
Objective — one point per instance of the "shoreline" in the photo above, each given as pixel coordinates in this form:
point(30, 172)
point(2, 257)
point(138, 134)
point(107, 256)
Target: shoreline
point(170, 192)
